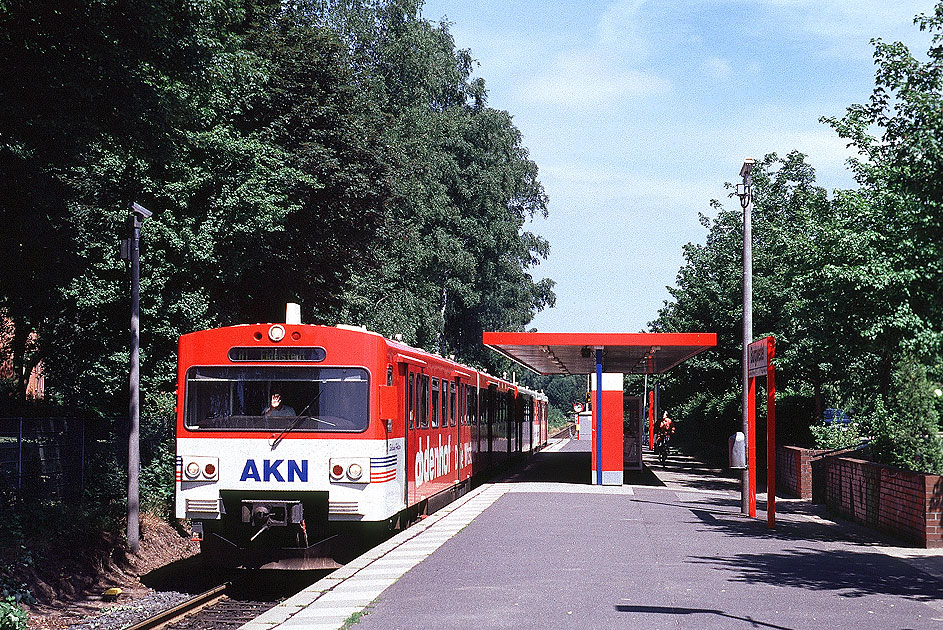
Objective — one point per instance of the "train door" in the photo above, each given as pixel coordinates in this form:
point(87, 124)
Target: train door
point(412, 388)
point(456, 426)
point(417, 431)
point(527, 427)
point(493, 433)
point(514, 413)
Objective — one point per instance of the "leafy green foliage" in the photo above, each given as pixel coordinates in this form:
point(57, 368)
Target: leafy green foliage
point(829, 284)
point(836, 435)
point(337, 154)
point(848, 285)
point(12, 617)
point(556, 419)
point(158, 454)
point(905, 431)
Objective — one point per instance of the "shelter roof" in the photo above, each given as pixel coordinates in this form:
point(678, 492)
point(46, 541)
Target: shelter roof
point(573, 353)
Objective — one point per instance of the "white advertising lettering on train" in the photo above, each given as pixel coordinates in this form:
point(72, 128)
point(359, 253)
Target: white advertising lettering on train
point(433, 461)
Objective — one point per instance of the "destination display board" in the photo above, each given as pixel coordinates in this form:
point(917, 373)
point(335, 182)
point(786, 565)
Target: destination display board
point(285, 353)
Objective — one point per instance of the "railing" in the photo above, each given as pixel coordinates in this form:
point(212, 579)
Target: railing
point(42, 459)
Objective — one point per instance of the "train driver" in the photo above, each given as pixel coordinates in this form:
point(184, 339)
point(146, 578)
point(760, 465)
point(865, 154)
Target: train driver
point(276, 408)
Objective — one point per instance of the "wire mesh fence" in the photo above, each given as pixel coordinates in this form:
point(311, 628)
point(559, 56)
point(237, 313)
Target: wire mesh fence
point(42, 459)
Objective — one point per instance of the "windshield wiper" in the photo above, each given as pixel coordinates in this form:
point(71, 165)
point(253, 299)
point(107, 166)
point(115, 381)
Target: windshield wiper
point(294, 423)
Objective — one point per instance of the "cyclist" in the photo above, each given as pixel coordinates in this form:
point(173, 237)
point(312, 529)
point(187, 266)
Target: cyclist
point(663, 432)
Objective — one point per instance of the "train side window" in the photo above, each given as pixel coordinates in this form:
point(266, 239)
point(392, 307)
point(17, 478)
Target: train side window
point(463, 404)
point(452, 405)
point(468, 404)
point(411, 401)
point(389, 375)
point(424, 403)
point(445, 403)
point(435, 403)
point(472, 405)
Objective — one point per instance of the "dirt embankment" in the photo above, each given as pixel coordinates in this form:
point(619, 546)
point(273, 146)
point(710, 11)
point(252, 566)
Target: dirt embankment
point(68, 582)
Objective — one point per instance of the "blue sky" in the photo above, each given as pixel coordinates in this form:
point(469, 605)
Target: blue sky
point(637, 112)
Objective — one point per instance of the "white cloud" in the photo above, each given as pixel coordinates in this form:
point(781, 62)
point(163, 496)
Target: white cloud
point(604, 186)
point(716, 67)
point(847, 27)
point(588, 79)
point(621, 28)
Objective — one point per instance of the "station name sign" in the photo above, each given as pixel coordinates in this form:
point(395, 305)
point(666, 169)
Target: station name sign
point(758, 357)
point(284, 353)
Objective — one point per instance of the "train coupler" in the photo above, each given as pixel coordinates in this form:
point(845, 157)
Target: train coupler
point(267, 514)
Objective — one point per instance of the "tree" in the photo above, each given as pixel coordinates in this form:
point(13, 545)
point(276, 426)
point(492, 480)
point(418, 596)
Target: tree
point(896, 134)
point(822, 279)
point(453, 256)
point(338, 154)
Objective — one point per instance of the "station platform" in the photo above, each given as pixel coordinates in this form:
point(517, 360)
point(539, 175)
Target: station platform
point(540, 548)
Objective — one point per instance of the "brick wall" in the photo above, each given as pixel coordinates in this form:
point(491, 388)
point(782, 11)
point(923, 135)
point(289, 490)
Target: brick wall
point(794, 471)
point(905, 504)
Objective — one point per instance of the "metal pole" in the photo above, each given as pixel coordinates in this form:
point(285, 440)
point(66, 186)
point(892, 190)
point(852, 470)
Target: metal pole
point(19, 460)
point(746, 201)
point(134, 455)
point(598, 416)
point(644, 403)
point(82, 487)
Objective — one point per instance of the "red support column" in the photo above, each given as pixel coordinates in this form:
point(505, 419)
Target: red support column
point(751, 446)
point(770, 438)
point(607, 456)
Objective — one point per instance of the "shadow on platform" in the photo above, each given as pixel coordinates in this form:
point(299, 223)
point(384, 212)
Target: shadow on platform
point(570, 467)
point(677, 610)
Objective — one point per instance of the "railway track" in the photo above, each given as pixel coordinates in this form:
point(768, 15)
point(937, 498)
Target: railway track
point(565, 432)
point(232, 604)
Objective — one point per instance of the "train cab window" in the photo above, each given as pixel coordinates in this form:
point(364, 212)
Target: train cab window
point(452, 401)
point(243, 398)
point(424, 403)
point(411, 401)
point(435, 403)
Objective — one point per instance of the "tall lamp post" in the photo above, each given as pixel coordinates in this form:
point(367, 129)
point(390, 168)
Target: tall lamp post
point(138, 214)
point(745, 192)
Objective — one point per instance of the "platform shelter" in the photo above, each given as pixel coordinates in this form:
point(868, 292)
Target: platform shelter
point(606, 356)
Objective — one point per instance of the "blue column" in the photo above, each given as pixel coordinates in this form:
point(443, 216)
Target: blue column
point(598, 416)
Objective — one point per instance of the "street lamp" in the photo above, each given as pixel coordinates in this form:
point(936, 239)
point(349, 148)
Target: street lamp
point(138, 214)
point(745, 192)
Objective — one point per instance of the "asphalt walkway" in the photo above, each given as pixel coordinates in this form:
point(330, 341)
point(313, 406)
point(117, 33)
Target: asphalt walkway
point(542, 549)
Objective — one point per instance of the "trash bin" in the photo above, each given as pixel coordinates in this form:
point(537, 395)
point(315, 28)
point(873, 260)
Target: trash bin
point(737, 450)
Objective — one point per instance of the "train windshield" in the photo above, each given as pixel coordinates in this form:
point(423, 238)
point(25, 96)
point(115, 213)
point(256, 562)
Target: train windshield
point(277, 398)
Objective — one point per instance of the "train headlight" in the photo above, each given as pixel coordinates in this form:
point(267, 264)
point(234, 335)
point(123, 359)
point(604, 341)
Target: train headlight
point(355, 471)
point(349, 470)
point(193, 470)
point(276, 333)
point(199, 468)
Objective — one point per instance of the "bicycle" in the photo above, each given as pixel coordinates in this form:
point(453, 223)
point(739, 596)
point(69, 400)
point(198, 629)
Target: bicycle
point(663, 448)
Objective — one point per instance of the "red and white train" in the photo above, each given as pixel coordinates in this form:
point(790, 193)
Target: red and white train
point(369, 431)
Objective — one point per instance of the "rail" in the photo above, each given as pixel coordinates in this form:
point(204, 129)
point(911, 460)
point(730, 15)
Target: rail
point(192, 605)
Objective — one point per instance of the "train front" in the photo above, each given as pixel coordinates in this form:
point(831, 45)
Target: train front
point(282, 454)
